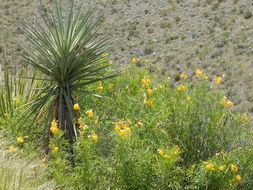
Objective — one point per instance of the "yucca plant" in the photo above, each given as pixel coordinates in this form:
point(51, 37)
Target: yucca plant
point(66, 49)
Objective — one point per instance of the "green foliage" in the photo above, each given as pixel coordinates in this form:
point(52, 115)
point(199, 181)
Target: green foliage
point(148, 132)
point(247, 15)
point(150, 136)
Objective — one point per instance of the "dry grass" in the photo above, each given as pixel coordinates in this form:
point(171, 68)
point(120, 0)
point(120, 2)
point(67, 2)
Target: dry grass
point(19, 173)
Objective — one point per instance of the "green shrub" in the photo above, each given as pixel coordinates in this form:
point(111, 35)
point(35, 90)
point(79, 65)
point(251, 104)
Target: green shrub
point(141, 131)
point(247, 15)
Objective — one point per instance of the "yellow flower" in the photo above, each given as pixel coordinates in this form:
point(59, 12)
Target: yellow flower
point(221, 168)
point(110, 62)
point(123, 132)
point(229, 104)
point(128, 130)
point(12, 149)
point(205, 77)
point(105, 55)
point(166, 156)
point(161, 86)
point(223, 100)
point(54, 123)
point(183, 76)
point(111, 86)
point(177, 149)
point(84, 127)
point(117, 128)
point(122, 127)
point(76, 107)
point(148, 102)
point(139, 123)
point(146, 60)
point(160, 151)
point(209, 166)
point(56, 149)
point(226, 103)
point(169, 78)
point(181, 88)
point(145, 82)
point(54, 130)
point(150, 91)
point(217, 80)
point(89, 113)
point(238, 178)
point(127, 87)
point(44, 159)
point(100, 87)
point(189, 98)
point(93, 137)
point(198, 72)
point(134, 60)
point(20, 139)
point(25, 137)
point(234, 168)
point(217, 154)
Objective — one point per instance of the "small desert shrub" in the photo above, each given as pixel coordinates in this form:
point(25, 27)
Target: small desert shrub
point(247, 15)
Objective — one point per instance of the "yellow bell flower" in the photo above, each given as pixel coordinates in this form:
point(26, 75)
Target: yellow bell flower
point(145, 82)
point(160, 151)
point(209, 166)
point(111, 86)
point(150, 91)
point(238, 178)
point(56, 149)
point(198, 72)
point(76, 107)
point(181, 88)
point(217, 80)
point(12, 149)
point(105, 55)
point(134, 60)
point(183, 76)
point(20, 139)
point(89, 113)
point(233, 168)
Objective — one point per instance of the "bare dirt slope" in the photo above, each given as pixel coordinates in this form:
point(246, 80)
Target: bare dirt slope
point(175, 35)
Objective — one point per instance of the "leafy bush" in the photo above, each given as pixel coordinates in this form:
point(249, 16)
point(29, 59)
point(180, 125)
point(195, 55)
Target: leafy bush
point(148, 133)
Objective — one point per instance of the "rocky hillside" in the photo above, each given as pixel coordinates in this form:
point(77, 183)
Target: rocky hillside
point(172, 36)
